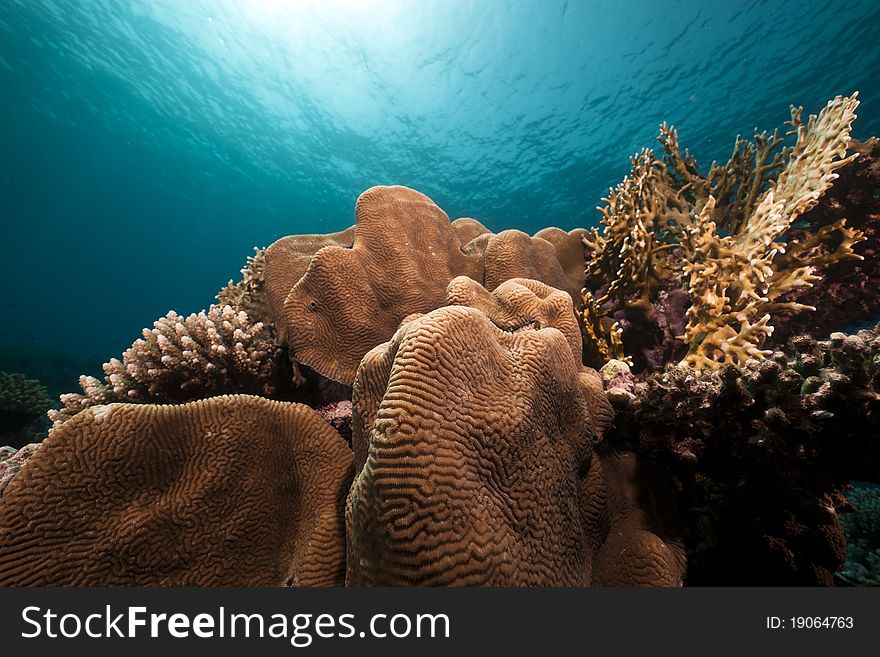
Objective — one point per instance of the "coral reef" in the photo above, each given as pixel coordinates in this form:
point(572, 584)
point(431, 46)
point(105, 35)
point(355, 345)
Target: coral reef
point(477, 439)
point(23, 402)
point(403, 253)
point(181, 359)
point(761, 455)
point(725, 237)
point(862, 527)
point(234, 490)
point(481, 448)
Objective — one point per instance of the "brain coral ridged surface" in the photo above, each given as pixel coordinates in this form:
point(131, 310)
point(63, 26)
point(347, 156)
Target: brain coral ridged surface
point(475, 435)
point(352, 296)
point(288, 259)
point(233, 490)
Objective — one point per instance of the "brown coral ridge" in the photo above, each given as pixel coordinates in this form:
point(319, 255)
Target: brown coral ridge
point(233, 490)
point(760, 456)
point(397, 260)
point(477, 438)
point(287, 259)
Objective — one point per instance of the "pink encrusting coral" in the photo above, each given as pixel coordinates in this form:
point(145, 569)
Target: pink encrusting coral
point(214, 352)
point(338, 415)
point(12, 461)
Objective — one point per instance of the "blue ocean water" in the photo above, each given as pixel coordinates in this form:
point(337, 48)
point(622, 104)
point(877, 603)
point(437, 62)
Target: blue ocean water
point(147, 145)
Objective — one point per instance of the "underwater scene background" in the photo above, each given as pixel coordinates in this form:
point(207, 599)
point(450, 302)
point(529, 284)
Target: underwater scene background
point(147, 146)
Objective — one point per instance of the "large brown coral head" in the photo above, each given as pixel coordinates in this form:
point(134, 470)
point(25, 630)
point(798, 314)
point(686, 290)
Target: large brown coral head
point(286, 262)
point(450, 491)
point(475, 432)
point(350, 299)
point(334, 303)
point(232, 491)
point(520, 304)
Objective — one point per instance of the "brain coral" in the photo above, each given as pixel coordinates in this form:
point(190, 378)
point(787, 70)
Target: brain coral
point(288, 259)
point(475, 432)
point(335, 297)
point(233, 490)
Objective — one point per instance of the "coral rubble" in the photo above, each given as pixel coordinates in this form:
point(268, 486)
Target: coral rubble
point(761, 455)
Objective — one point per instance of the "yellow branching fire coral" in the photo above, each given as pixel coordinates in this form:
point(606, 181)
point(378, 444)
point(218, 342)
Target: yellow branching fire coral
point(722, 235)
point(602, 338)
point(632, 244)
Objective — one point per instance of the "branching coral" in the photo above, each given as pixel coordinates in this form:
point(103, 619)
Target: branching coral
point(736, 281)
point(735, 185)
point(602, 338)
point(634, 241)
point(249, 294)
point(722, 235)
point(849, 290)
point(22, 402)
point(22, 396)
point(180, 359)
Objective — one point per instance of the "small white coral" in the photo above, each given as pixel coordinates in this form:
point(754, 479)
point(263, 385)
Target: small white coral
point(218, 351)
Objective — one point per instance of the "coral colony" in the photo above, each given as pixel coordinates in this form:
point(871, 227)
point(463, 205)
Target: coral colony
point(419, 401)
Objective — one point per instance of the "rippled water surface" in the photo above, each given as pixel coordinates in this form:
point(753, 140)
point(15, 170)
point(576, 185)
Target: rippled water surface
point(147, 145)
